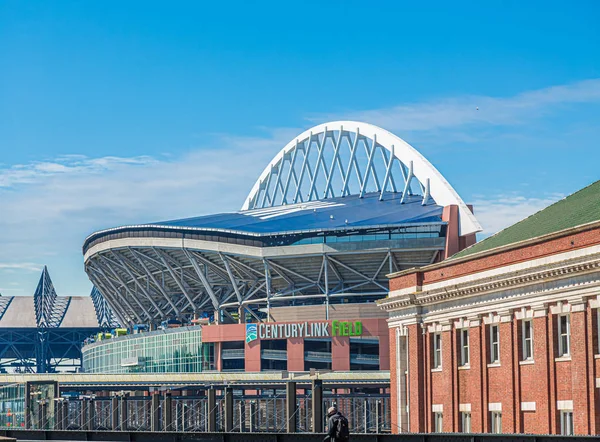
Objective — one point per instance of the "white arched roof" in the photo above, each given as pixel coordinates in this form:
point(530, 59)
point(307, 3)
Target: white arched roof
point(430, 178)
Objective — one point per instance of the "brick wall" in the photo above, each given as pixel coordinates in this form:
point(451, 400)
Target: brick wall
point(536, 385)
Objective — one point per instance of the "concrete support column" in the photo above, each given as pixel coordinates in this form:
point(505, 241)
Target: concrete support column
point(290, 407)
point(317, 406)
point(228, 410)
point(212, 410)
point(114, 413)
point(155, 412)
point(168, 412)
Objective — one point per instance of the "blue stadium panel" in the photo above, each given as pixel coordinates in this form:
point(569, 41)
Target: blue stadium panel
point(330, 214)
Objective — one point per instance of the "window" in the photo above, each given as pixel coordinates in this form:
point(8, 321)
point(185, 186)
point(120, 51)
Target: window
point(438, 422)
point(564, 333)
point(527, 340)
point(465, 422)
point(566, 423)
point(496, 422)
point(464, 347)
point(437, 350)
point(494, 344)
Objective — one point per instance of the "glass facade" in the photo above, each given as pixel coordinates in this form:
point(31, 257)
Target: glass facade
point(12, 405)
point(176, 350)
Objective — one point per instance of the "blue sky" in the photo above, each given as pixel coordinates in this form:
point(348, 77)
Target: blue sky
point(119, 112)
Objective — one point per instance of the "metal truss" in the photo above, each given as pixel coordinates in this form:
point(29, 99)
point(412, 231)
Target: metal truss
point(48, 346)
point(49, 309)
point(105, 315)
point(349, 158)
point(148, 284)
point(42, 350)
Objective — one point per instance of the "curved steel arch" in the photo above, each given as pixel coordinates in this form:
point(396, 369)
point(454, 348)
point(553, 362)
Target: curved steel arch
point(297, 168)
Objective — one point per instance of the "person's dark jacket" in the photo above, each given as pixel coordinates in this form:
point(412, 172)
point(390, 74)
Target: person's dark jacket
point(331, 427)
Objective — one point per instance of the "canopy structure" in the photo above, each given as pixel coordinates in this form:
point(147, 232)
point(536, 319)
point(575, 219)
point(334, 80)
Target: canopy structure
point(337, 209)
point(44, 332)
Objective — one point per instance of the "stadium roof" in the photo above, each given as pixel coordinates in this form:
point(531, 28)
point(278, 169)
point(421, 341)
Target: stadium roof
point(19, 312)
point(336, 209)
point(582, 207)
point(331, 214)
point(47, 310)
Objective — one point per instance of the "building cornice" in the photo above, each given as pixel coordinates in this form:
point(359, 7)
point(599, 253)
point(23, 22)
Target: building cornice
point(543, 273)
point(497, 250)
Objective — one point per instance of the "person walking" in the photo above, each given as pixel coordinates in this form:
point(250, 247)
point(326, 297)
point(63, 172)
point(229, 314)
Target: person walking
point(337, 427)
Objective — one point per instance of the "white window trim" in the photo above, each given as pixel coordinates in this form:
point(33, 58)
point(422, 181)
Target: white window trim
point(437, 352)
point(495, 419)
point(495, 361)
point(465, 416)
point(462, 348)
point(438, 416)
point(524, 339)
point(564, 353)
point(566, 418)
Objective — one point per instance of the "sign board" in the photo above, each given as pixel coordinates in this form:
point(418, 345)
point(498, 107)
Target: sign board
point(324, 329)
point(130, 362)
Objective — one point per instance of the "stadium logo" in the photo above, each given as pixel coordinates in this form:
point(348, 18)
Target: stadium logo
point(251, 332)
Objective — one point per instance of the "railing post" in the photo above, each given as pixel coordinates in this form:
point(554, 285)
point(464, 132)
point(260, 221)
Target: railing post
point(65, 414)
point(114, 413)
point(291, 407)
point(124, 415)
point(242, 412)
point(27, 405)
point(168, 411)
point(212, 410)
point(58, 411)
point(378, 417)
point(155, 412)
point(83, 415)
point(317, 406)
point(228, 410)
point(91, 415)
point(182, 416)
point(253, 417)
point(366, 415)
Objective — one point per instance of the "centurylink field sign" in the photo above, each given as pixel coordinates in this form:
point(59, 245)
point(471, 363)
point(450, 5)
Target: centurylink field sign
point(276, 330)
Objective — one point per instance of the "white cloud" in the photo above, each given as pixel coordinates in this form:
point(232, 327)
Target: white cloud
point(470, 110)
point(500, 211)
point(67, 164)
point(28, 266)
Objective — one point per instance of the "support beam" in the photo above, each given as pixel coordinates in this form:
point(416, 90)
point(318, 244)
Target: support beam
point(203, 279)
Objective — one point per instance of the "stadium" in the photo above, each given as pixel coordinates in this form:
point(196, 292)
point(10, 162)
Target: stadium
point(337, 209)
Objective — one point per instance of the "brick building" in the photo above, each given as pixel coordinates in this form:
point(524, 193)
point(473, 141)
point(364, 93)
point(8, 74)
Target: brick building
point(503, 336)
